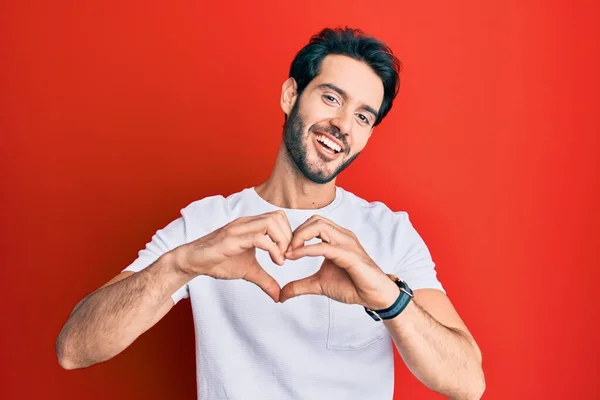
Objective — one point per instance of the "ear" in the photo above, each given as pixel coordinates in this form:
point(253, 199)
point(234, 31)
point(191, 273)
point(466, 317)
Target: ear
point(289, 95)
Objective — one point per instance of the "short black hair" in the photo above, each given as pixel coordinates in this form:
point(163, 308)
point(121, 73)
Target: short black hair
point(355, 44)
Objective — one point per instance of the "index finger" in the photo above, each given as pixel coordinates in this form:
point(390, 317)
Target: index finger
point(318, 228)
point(283, 223)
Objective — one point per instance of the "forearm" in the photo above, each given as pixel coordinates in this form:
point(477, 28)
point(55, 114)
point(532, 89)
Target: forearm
point(110, 319)
point(444, 359)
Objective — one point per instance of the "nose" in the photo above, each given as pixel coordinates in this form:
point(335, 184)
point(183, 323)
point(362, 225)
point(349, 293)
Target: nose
point(343, 121)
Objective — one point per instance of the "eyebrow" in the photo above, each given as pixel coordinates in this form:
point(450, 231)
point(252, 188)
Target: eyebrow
point(342, 93)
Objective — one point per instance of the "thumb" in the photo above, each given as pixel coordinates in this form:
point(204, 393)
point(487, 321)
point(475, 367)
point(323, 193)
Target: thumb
point(308, 285)
point(257, 275)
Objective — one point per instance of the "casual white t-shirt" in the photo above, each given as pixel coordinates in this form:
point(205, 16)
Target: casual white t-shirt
point(310, 347)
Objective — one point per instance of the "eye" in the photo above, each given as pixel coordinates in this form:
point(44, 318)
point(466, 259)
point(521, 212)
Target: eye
point(330, 98)
point(363, 119)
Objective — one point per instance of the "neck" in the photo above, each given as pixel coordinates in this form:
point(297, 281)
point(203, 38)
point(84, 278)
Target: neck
point(287, 187)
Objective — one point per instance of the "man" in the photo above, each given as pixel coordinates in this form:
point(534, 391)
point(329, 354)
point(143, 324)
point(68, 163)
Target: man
point(337, 271)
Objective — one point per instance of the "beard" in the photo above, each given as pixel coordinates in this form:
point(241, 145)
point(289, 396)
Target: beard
point(297, 147)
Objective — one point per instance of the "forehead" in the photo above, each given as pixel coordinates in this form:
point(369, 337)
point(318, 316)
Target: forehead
point(355, 77)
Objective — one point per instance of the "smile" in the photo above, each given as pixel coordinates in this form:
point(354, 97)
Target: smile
point(326, 146)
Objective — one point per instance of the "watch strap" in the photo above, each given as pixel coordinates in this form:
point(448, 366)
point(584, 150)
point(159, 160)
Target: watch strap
point(399, 305)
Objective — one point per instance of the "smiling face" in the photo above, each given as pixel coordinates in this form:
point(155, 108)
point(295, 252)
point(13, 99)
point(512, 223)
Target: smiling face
point(332, 120)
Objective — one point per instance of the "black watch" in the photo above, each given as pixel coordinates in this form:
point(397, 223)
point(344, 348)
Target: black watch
point(406, 294)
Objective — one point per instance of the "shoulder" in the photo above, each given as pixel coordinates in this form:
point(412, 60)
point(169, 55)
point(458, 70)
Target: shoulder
point(209, 203)
point(376, 212)
point(211, 212)
point(213, 205)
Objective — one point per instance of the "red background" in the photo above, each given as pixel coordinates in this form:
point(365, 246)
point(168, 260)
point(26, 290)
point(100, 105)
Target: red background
point(115, 115)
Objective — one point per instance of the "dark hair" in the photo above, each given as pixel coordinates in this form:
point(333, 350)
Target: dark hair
point(352, 43)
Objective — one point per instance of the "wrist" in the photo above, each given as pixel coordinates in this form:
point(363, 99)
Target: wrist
point(178, 260)
point(402, 301)
point(389, 293)
point(166, 270)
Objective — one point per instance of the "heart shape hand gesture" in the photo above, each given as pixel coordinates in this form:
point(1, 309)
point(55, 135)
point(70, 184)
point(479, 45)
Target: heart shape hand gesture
point(347, 274)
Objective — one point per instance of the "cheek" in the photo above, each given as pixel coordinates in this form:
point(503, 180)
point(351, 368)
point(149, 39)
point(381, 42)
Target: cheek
point(359, 142)
point(316, 112)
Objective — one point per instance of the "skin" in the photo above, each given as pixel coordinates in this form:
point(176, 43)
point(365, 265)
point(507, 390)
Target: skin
point(322, 108)
point(429, 334)
point(342, 101)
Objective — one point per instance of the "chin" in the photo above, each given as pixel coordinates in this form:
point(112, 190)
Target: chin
point(320, 176)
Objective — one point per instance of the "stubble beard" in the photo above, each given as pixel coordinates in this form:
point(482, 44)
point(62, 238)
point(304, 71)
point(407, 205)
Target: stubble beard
point(296, 148)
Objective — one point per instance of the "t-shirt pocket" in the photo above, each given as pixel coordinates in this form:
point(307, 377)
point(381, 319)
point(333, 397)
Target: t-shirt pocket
point(351, 328)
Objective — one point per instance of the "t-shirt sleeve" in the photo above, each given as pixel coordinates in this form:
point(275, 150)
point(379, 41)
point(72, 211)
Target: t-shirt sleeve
point(416, 266)
point(164, 240)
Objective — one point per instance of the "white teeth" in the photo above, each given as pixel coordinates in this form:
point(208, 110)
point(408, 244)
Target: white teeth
point(332, 145)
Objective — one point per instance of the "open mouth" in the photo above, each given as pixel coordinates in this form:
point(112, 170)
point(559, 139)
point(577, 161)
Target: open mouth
point(327, 145)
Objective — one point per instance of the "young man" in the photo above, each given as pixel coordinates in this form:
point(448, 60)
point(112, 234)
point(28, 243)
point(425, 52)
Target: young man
point(337, 271)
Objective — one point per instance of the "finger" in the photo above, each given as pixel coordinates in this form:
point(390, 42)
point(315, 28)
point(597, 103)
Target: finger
point(309, 285)
point(260, 241)
point(333, 224)
point(263, 242)
point(264, 224)
point(314, 250)
point(274, 228)
point(318, 228)
point(283, 223)
point(309, 221)
point(315, 218)
point(304, 232)
point(338, 255)
point(263, 280)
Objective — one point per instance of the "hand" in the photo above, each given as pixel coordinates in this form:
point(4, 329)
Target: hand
point(347, 275)
point(229, 252)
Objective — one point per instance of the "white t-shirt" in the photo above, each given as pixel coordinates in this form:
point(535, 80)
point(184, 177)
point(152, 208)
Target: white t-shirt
point(310, 347)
